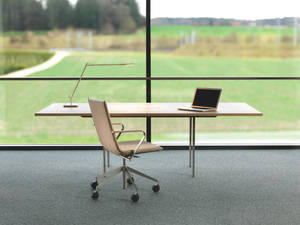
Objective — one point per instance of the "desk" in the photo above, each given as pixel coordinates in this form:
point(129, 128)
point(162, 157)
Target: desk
point(155, 110)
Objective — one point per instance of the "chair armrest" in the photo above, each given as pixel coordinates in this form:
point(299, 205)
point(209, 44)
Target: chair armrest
point(129, 131)
point(122, 128)
point(133, 131)
point(122, 125)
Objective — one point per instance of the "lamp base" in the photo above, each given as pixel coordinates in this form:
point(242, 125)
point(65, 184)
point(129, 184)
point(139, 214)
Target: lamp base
point(70, 105)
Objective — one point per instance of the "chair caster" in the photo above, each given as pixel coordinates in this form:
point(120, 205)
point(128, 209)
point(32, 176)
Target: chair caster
point(156, 188)
point(95, 195)
point(94, 184)
point(129, 182)
point(135, 197)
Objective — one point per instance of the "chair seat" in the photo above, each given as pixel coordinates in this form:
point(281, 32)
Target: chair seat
point(128, 146)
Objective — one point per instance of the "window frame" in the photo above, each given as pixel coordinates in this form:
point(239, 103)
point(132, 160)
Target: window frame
point(148, 78)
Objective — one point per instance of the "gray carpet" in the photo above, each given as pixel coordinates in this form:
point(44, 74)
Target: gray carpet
point(230, 188)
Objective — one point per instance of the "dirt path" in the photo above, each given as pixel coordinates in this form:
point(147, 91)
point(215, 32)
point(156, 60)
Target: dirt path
point(59, 55)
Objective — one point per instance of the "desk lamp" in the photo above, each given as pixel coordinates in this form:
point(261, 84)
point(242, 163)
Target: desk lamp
point(71, 105)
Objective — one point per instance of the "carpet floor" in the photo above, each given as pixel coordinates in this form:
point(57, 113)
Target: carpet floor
point(247, 187)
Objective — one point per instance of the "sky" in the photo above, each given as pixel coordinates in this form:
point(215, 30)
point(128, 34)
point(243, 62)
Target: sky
point(237, 9)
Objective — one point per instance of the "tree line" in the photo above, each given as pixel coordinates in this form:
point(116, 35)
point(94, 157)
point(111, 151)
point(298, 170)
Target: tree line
point(106, 16)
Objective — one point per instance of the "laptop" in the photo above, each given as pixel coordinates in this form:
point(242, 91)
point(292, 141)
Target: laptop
point(205, 100)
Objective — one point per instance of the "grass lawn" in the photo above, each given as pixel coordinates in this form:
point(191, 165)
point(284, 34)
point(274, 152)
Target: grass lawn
point(169, 65)
point(219, 31)
point(276, 99)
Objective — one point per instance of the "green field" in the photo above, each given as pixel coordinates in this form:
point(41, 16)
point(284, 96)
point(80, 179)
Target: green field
point(169, 65)
point(221, 31)
point(276, 99)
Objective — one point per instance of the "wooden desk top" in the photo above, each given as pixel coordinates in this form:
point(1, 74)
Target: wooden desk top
point(150, 110)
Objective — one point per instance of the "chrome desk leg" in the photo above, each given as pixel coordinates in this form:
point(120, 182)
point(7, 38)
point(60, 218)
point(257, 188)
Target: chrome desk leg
point(104, 161)
point(193, 147)
point(123, 174)
point(190, 143)
point(108, 159)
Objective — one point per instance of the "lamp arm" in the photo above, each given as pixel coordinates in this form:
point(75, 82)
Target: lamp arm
point(80, 78)
point(71, 96)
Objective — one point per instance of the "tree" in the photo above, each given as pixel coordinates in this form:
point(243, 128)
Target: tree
point(13, 14)
point(23, 15)
point(87, 14)
point(125, 23)
point(107, 16)
point(117, 15)
point(134, 10)
point(59, 13)
point(34, 16)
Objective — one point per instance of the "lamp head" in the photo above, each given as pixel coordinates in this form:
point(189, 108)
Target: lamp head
point(129, 64)
point(111, 64)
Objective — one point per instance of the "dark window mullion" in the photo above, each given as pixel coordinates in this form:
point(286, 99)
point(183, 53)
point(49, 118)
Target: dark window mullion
point(148, 64)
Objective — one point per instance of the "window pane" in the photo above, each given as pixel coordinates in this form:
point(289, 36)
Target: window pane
point(277, 100)
point(73, 33)
point(225, 38)
point(20, 100)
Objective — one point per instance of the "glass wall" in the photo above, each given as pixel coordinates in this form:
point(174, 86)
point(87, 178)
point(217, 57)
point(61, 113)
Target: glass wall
point(190, 38)
point(228, 39)
point(56, 39)
point(21, 99)
point(277, 100)
point(73, 32)
point(225, 38)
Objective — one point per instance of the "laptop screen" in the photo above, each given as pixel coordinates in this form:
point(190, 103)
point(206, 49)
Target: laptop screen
point(207, 97)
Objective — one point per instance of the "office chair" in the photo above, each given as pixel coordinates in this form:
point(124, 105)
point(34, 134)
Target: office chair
point(127, 150)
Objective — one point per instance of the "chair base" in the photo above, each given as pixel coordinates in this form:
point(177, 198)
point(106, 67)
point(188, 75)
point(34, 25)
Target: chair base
point(125, 170)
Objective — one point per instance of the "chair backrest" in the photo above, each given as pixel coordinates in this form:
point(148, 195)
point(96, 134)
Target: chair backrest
point(103, 126)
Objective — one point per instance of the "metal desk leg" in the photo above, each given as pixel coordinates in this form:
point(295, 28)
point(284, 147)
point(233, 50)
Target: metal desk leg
point(108, 159)
point(190, 143)
point(123, 174)
point(104, 161)
point(193, 147)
